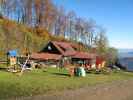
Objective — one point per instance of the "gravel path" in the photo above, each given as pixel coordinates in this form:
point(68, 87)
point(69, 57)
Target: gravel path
point(120, 90)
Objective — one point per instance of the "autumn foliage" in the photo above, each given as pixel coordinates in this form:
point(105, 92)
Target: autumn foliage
point(32, 23)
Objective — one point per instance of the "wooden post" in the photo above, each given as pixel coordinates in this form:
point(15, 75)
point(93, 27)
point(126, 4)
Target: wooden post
point(23, 67)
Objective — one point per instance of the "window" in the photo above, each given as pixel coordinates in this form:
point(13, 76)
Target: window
point(49, 48)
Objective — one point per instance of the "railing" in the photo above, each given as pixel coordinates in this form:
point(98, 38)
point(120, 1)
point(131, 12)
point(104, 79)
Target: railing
point(3, 62)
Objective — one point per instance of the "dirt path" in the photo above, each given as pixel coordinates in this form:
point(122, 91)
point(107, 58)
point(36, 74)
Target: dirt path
point(120, 90)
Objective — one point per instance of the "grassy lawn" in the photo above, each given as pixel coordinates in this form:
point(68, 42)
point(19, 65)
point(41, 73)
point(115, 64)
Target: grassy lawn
point(41, 82)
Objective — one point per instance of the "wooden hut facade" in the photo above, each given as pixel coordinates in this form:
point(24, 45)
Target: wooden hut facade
point(62, 54)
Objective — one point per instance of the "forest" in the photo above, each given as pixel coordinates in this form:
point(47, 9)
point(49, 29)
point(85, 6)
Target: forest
point(32, 23)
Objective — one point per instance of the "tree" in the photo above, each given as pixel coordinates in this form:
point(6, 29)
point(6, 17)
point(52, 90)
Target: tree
point(79, 28)
point(89, 33)
point(101, 42)
point(60, 26)
point(70, 28)
point(112, 55)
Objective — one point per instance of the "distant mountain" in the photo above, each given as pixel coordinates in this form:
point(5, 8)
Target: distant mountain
point(125, 53)
point(130, 52)
point(125, 50)
point(126, 58)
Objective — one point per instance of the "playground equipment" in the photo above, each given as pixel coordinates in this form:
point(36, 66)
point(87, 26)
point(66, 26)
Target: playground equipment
point(14, 63)
point(24, 65)
point(12, 59)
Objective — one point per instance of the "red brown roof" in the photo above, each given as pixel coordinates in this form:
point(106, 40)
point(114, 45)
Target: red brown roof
point(64, 45)
point(70, 53)
point(66, 48)
point(84, 55)
point(45, 56)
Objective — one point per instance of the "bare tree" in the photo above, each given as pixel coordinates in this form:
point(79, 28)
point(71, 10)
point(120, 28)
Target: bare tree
point(101, 41)
point(71, 16)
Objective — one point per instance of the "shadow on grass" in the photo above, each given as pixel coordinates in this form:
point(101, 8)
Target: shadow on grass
point(3, 69)
point(60, 74)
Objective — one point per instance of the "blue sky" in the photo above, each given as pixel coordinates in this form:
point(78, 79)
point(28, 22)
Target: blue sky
point(115, 15)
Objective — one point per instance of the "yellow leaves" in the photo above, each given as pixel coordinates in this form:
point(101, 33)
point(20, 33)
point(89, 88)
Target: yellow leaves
point(42, 32)
point(9, 25)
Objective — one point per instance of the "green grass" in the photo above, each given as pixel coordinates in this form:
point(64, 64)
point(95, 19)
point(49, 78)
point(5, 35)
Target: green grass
point(41, 82)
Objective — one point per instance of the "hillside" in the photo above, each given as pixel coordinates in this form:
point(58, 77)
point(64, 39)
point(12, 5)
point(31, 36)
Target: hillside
point(18, 36)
